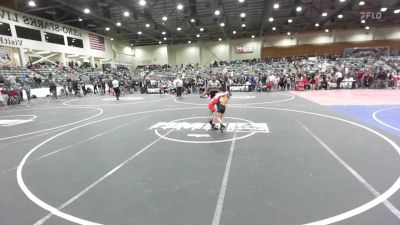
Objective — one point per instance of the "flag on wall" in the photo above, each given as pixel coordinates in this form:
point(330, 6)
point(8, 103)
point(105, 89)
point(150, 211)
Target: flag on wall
point(96, 42)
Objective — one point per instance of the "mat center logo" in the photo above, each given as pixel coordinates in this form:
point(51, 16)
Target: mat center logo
point(198, 130)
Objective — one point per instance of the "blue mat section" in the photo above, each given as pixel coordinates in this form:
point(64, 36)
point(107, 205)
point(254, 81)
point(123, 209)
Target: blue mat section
point(390, 115)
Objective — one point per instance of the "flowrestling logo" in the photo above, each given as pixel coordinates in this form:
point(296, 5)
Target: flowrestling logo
point(230, 127)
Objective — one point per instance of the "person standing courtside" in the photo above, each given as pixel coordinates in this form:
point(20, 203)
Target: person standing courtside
point(213, 86)
point(115, 85)
point(179, 86)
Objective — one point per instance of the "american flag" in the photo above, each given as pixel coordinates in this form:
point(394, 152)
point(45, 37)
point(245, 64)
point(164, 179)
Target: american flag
point(96, 42)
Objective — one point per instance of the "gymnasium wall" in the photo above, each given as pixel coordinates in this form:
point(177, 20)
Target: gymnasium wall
point(329, 43)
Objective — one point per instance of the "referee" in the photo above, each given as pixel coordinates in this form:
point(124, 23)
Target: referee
point(213, 86)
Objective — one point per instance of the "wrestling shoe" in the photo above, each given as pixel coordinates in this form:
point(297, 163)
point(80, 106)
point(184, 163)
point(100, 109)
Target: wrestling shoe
point(222, 127)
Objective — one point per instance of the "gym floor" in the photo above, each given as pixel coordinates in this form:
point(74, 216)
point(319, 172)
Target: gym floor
point(287, 158)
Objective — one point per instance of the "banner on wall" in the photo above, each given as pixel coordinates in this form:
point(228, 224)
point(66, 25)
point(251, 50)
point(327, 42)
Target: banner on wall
point(366, 52)
point(7, 57)
point(244, 49)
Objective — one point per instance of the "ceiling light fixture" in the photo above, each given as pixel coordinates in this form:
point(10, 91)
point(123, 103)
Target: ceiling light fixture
point(274, 28)
point(367, 27)
point(361, 3)
point(234, 32)
point(288, 33)
point(201, 29)
point(179, 6)
point(276, 6)
point(243, 25)
point(198, 35)
point(118, 24)
point(317, 24)
point(164, 18)
point(159, 42)
point(290, 21)
point(252, 36)
point(242, 14)
point(147, 25)
point(383, 9)
point(178, 28)
point(298, 9)
point(32, 3)
point(86, 11)
point(112, 39)
point(192, 20)
point(222, 24)
point(126, 14)
point(324, 14)
point(241, 1)
point(362, 21)
point(163, 33)
point(107, 28)
point(165, 38)
point(271, 19)
point(219, 39)
point(342, 0)
point(189, 42)
point(217, 12)
point(397, 11)
point(139, 32)
point(326, 30)
point(142, 2)
point(340, 16)
point(80, 19)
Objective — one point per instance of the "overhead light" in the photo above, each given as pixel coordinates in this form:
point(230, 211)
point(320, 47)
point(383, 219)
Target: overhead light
point(107, 28)
point(317, 24)
point(234, 32)
point(139, 32)
point(271, 19)
point(361, 3)
point(192, 20)
point(198, 35)
point(326, 30)
point(298, 9)
point(222, 24)
point(242, 14)
point(217, 12)
point(147, 25)
point(362, 21)
point(126, 13)
point(165, 38)
point(288, 33)
point(86, 10)
point(80, 19)
point(1, 23)
point(131, 44)
point(201, 29)
point(118, 24)
point(163, 33)
point(274, 28)
point(219, 39)
point(72, 56)
point(179, 6)
point(324, 14)
point(32, 3)
point(241, 1)
point(142, 2)
point(397, 11)
point(189, 42)
point(159, 42)
point(340, 16)
point(290, 21)
point(276, 6)
point(383, 9)
point(342, 0)
point(164, 18)
point(252, 36)
point(243, 25)
point(178, 28)
point(367, 27)
point(112, 39)
point(43, 52)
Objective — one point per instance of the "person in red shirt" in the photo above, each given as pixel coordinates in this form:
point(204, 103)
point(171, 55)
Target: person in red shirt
point(211, 106)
